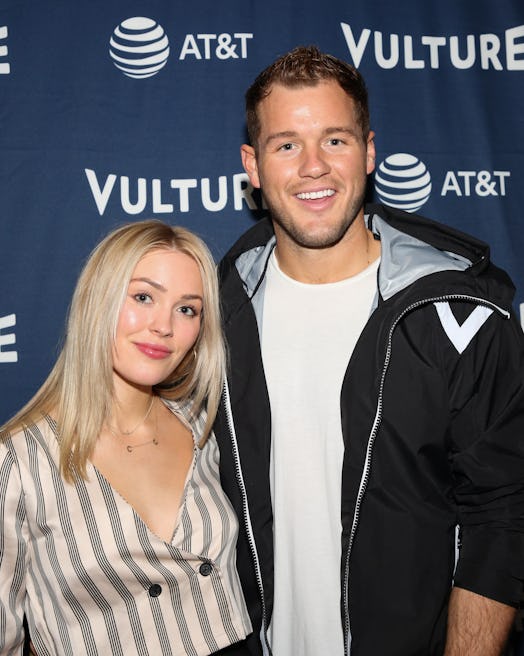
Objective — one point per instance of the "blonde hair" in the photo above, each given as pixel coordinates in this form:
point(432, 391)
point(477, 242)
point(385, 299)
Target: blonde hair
point(79, 389)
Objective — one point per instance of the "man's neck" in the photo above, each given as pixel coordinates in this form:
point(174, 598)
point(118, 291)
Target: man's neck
point(347, 258)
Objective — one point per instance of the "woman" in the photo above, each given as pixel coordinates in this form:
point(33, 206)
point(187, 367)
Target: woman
point(115, 536)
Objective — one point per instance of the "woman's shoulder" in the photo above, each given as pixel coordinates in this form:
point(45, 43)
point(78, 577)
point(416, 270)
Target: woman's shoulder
point(41, 430)
point(185, 410)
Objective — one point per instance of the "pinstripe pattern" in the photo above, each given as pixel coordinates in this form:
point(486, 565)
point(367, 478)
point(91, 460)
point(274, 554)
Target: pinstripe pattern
point(80, 562)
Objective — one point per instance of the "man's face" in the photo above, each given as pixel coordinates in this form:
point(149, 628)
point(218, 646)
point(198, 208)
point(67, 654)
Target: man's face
point(311, 163)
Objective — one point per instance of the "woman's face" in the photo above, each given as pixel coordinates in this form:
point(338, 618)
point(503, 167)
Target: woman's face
point(160, 319)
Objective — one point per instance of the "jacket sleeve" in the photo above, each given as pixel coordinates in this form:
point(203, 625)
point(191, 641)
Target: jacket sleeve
point(487, 460)
point(13, 556)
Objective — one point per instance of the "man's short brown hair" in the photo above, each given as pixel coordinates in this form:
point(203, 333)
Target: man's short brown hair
point(306, 66)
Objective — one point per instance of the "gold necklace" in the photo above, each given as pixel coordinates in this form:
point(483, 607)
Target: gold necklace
point(130, 432)
point(130, 448)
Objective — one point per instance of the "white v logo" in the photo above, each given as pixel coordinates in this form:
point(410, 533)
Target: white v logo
point(461, 336)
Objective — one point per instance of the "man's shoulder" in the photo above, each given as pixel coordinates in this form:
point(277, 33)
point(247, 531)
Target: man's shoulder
point(257, 235)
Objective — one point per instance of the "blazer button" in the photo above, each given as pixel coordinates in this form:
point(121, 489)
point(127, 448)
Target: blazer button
point(155, 590)
point(205, 569)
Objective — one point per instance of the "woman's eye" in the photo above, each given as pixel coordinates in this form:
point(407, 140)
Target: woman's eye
point(188, 311)
point(142, 298)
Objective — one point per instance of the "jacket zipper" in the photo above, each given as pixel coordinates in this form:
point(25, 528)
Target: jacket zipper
point(373, 433)
point(266, 649)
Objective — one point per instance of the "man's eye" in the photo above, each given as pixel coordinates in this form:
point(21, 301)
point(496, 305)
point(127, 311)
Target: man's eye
point(286, 146)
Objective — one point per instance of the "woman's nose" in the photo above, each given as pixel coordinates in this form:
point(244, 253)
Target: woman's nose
point(162, 323)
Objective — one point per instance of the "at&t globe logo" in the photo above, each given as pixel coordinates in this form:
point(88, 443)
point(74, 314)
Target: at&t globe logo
point(139, 47)
point(403, 181)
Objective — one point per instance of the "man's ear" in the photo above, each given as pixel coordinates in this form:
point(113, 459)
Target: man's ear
point(249, 161)
point(370, 153)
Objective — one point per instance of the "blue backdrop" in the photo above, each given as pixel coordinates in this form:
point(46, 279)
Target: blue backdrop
point(113, 111)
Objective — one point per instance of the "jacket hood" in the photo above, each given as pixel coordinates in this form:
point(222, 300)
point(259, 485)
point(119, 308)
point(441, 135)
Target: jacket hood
point(415, 247)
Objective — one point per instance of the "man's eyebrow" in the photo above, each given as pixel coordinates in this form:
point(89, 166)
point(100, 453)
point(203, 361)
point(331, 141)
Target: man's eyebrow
point(344, 129)
point(285, 134)
point(290, 134)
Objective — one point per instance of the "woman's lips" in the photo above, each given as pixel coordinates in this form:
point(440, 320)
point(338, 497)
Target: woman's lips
point(154, 351)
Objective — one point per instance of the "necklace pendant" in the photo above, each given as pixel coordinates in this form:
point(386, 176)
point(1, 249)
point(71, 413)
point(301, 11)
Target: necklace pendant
point(130, 448)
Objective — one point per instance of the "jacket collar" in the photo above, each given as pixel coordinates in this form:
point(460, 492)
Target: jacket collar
point(413, 247)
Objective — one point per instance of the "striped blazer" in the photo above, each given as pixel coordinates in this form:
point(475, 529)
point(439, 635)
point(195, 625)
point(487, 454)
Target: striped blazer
point(90, 576)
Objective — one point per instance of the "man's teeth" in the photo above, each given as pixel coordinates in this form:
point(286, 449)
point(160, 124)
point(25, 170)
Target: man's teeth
point(313, 195)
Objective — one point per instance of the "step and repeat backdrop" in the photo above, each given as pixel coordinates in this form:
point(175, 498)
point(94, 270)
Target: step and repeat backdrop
point(116, 111)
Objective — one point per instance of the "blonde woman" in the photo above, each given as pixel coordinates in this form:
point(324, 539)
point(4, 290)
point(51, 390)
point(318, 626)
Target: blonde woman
point(115, 535)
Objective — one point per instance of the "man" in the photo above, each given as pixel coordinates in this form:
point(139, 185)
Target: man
point(372, 434)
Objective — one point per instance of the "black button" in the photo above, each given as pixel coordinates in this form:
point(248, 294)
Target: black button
point(205, 569)
point(155, 590)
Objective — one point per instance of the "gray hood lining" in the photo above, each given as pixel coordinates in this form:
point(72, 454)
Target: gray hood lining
point(405, 259)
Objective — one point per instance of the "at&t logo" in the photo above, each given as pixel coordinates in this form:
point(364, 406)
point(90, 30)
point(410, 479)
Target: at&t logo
point(403, 181)
point(140, 48)
point(475, 183)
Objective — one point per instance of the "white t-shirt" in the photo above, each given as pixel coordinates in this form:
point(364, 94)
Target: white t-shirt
point(308, 335)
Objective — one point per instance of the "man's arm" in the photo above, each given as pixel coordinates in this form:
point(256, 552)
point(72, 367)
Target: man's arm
point(487, 459)
point(477, 626)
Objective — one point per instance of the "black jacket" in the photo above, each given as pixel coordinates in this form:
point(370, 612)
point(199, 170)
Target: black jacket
point(432, 409)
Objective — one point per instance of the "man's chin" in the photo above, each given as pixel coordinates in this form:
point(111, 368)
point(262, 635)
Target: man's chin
point(314, 239)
